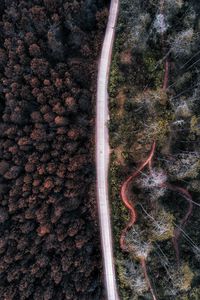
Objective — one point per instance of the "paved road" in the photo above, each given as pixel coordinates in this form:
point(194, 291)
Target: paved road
point(102, 153)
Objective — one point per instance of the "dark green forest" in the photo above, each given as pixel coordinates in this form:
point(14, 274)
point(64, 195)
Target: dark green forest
point(49, 236)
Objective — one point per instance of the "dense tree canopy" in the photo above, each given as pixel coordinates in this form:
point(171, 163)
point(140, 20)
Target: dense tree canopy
point(49, 240)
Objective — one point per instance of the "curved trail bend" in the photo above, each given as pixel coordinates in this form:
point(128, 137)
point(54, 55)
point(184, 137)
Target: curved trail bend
point(102, 153)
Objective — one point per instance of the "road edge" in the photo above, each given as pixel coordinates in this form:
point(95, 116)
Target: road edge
point(103, 151)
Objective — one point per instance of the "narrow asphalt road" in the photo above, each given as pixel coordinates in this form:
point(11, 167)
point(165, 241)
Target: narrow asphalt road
point(102, 153)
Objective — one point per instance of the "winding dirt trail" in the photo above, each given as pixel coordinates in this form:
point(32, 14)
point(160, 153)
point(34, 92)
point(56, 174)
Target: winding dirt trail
point(133, 215)
point(125, 199)
point(102, 154)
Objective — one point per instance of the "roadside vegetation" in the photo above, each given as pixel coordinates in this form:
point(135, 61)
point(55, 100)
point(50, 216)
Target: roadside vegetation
point(154, 97)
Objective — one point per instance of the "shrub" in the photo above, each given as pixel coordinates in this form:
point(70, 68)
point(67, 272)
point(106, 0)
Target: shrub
point(131, 275)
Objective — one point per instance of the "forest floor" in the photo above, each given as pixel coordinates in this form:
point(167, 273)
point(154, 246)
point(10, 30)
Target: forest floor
point(154, 90)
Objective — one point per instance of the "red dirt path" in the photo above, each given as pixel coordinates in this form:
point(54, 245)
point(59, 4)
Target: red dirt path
point(133, 214)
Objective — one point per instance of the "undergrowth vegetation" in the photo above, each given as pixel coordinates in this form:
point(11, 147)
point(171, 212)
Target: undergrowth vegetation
point(154, 96)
